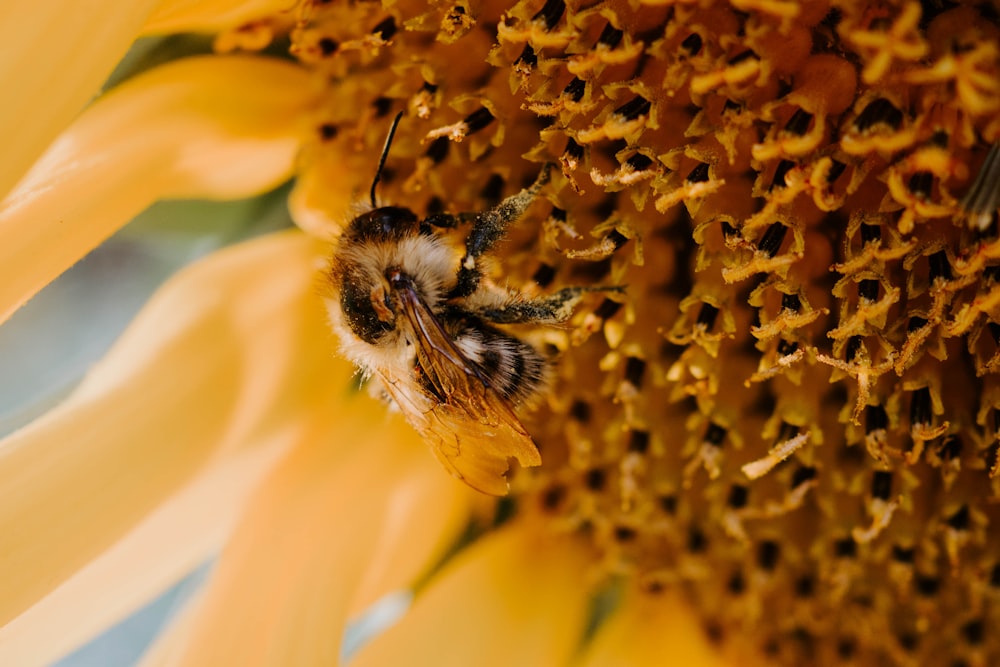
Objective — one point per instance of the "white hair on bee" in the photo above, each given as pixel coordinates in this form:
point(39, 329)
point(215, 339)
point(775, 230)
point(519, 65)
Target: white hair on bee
point(517, 369)
point(427, 259)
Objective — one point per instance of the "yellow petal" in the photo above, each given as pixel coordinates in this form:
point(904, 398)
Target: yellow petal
point(216, 127)
point(56, 55)
point(229, 348)
point(653, 631)
point(213, 15)
point(328, 180)
point(422, 519)
point(281, 590)
point(174, 539)
point(514, 598)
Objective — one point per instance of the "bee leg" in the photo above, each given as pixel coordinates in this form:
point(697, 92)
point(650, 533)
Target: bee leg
point(980, 202)
point(445, 220)
point(488, 227)
point(550, 309)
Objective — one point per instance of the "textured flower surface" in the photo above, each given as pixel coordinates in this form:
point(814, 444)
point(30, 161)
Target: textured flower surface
point(777, 444)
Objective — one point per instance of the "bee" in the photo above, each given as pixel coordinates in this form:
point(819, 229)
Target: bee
point(415, 314)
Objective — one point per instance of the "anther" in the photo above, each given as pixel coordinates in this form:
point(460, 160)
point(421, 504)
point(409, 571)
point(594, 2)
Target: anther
point(876, 419)
point(574, 151)
point(477, 120)
point(738, 495)
point(799, 123)
point(575, 89)
point(744, 55)
point(951, 448)
point(327, 131)
point(770, 242)
point(845, 548)
point(714, 434)
point(973, 632)
point(920, 407)
point(692, 44)
point(881, 485)
point(779, 174)
point(438, 150)
point(791, 302)
point(638, 442)
point(607, 309)
point(767, 554)
point(544, 275)
point(925, 585)
point(617, 238)
point(802, 475)
point(868, 290)
point(637, 106)
point(736, 584)
point(580, 411)
point(610, 36)
point(635, 368)
point(594, 479)
point(550, 13)
point(920, 184)
point(328, 46)
point(786, 348)
point(878, 111)
point(699, 174)
point(853, 347)
point(960, 519)
point(707, 315)
point(836, 169)
point(382, 106)
point(385, 29)
point(903, 554)
point(696, 540)
point(870, 233)
point(939, 266)
point(639, 162)
point(492, 192)
point(527, 57)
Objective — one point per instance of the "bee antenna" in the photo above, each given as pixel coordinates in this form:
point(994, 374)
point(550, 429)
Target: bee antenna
point(385, 154)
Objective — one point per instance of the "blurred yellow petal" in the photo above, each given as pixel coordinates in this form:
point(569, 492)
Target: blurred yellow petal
point(653, 631)
point(281, 590)
point(56, 55)
point(216, 127)
point(514, 598)
point(174, 539)
point(315, 202)
point(228, 348)
point(423, 517)
point(213, 15)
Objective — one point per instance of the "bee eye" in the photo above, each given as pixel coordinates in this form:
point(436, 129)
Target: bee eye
point(387, 223)
point(360, 313)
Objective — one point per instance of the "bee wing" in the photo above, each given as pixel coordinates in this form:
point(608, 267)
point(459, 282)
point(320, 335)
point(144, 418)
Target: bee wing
point(471, 427)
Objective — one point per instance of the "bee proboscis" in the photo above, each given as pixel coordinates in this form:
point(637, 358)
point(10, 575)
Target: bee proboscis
point(419, 318)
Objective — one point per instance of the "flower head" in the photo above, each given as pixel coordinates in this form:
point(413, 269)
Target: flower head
point(778, 441)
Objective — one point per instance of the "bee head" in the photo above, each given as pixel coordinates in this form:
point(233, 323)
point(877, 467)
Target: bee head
point(386, 223)
point(382, 251)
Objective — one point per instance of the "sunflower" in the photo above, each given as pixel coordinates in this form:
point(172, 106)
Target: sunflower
point(776, 443)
